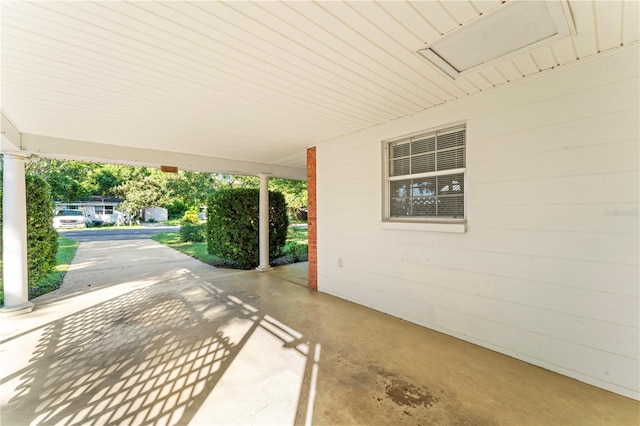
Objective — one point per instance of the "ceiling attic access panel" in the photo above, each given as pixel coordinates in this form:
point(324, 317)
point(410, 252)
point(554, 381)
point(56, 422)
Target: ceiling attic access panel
point(514, 28)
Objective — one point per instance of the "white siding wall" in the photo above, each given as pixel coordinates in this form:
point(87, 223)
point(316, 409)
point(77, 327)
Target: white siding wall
point(548, 270)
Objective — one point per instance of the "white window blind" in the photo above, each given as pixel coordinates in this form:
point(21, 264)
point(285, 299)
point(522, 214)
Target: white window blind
point(426, 176)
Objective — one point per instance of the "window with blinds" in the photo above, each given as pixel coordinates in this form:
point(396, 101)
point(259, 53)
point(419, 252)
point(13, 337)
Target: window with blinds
point(426, 175)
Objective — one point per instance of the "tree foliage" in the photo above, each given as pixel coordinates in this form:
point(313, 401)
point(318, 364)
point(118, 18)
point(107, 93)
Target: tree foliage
point(294, 191)
point(144, 191)
point(73, 180)
point(233, 225)
point(65, 178)
point(142, 187)
point(192, 188)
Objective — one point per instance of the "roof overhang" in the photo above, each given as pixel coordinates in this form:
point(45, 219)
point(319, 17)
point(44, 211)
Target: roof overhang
point(66, 149)
point(248, 86)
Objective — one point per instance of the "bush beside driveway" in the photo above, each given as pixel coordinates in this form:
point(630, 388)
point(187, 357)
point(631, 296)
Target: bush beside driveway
point(295, 249)
point(66, 251)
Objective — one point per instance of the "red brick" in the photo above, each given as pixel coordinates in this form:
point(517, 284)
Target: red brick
point(312, 219)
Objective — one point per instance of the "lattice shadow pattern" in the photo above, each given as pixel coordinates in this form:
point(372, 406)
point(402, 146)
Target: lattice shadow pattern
point(148, 357)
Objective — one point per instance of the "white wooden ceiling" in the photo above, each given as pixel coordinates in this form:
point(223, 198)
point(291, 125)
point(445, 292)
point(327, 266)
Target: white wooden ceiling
point(253, 81)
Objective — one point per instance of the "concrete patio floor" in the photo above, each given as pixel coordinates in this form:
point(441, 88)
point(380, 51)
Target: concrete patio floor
point(141, 334)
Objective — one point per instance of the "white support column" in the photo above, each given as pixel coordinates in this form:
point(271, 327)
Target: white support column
point(14, 235)
point(264, 223)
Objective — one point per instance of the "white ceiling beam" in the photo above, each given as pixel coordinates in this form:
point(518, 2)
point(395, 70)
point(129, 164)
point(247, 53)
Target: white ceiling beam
point(67, 149)
point(11, 140)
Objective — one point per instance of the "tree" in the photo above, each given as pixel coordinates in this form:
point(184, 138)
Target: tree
point(235, 181)
point(103, 178)
point(192, 188)
point(65, 178)
point(74, 180)
point(144, 187)
point(294, 191)
point(144, 192)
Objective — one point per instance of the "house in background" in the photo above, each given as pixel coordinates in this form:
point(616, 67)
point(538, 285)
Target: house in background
point(463, 174)
point(100, 209)
point(104, 210)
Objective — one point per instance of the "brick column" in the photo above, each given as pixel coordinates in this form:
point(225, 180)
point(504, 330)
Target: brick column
point(311, 218)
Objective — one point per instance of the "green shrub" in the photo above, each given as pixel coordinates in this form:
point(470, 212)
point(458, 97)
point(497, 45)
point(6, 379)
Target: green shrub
point(297, 252)
point(233, 225)
point(42, 239)
point(66, 251)
point(190, 228)
point(190, 216)
point(192, 232)
point(176, 209)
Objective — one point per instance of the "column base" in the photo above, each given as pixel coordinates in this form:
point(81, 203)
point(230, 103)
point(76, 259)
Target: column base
point(24, 308)
point(264, 268)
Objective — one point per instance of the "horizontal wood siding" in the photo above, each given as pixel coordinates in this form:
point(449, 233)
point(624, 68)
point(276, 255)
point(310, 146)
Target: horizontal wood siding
point(547, 270)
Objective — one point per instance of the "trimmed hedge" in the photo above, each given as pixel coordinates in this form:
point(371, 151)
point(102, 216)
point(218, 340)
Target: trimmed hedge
point(42, 239)
point(192, 232)
point(233, 225)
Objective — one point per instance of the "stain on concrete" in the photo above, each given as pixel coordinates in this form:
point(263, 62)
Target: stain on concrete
point(396, 399)
point(402, 392)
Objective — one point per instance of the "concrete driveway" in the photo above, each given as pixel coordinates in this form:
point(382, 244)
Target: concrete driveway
point(141, 334)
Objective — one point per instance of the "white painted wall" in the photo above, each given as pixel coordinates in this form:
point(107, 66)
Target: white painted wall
point(548, 270)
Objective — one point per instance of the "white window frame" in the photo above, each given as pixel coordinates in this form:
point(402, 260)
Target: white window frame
point(431, 223)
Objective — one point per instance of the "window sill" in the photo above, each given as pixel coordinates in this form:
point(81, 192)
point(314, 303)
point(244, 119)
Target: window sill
point(453, 227)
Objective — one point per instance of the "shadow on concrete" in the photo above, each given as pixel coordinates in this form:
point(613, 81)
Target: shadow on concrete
point(165, 339)
point(167, 354)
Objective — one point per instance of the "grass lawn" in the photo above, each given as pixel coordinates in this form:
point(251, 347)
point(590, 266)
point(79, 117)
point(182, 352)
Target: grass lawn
point(64, 256)
point(197, 250)
point(297, 237)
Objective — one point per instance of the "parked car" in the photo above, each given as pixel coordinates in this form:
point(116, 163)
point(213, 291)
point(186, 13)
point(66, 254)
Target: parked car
point(71, 219)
